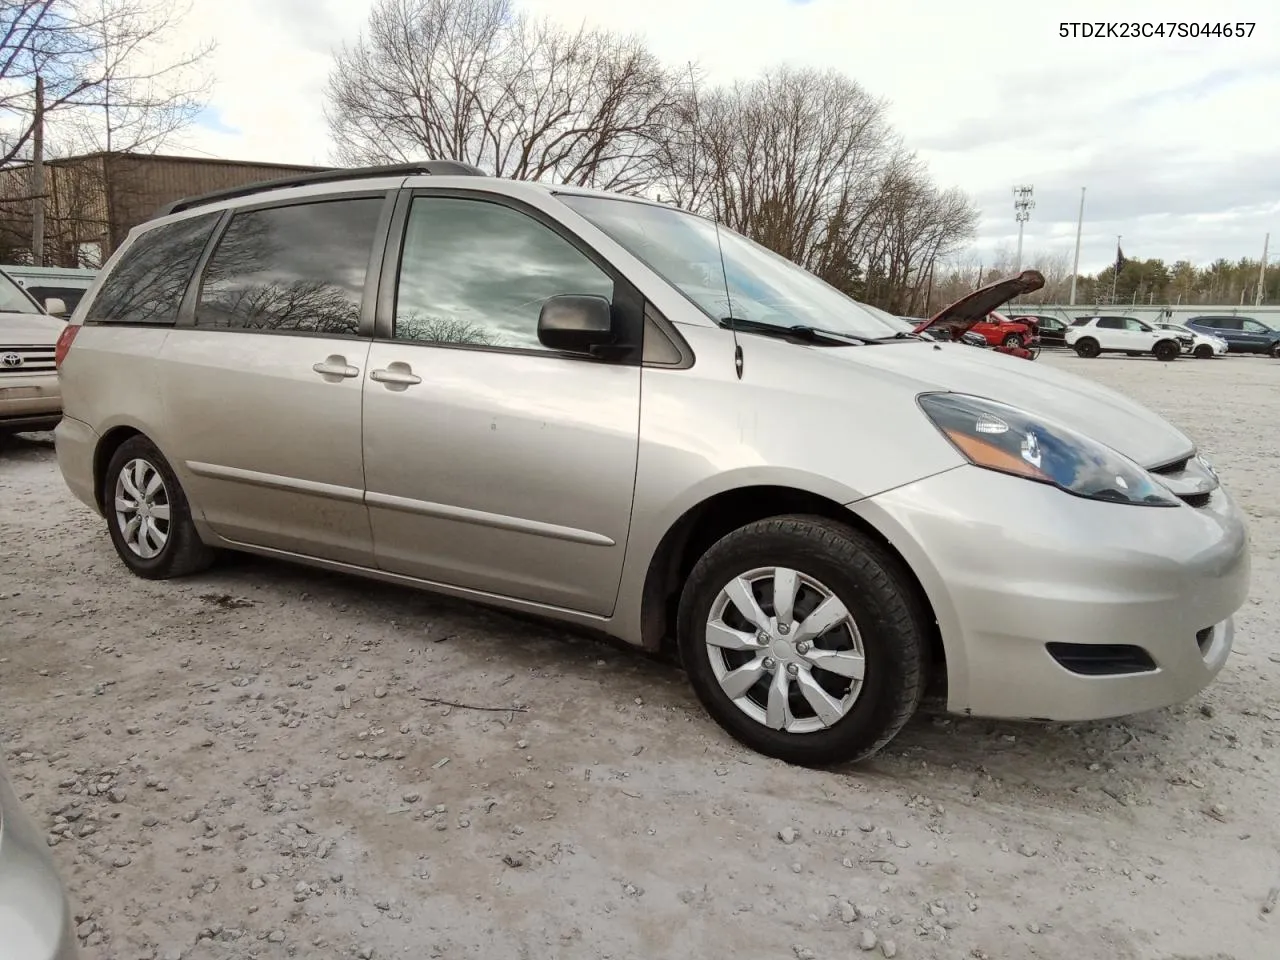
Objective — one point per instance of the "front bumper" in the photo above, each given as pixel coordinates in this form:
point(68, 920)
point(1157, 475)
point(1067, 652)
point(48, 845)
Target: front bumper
point(30, 401)
point(1012, 566)
point(35, 915)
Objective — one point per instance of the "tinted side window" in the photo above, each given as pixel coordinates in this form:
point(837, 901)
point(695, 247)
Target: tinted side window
point(1110, 323)
point(475, 272)
point(148, 282)
point(1253, 326)
point(299, 268)
point(1222, 323)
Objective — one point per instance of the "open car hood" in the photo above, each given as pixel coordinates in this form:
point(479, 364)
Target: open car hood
point(969, 310)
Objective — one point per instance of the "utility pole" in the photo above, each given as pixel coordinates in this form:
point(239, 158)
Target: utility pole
point(1262, 272)
point(1022, 204)
point(1075, 267)
point(37, 177)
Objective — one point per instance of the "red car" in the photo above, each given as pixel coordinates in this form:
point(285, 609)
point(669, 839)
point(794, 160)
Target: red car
point(975, 314)
point(999, 331)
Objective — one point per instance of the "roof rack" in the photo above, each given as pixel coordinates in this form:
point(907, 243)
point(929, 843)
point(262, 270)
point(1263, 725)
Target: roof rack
point(438, 168)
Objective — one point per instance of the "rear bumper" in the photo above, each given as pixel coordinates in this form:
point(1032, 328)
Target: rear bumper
point(30, 402)
point(1013, 566)
point(76, 443)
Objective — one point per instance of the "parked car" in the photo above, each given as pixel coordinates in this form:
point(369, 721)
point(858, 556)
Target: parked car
point(65, 284)
point(1242, 334)
point(972, 313)
point(35, 914)
point(1203, 345)
point(1091, 336)
point(1052, 331)
point(29, 395)
point(1001, 331)
point(622, 416)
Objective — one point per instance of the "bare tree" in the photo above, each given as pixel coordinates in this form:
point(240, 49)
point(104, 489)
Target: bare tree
point(805, 163)
point(105, 74)
point(474, 80)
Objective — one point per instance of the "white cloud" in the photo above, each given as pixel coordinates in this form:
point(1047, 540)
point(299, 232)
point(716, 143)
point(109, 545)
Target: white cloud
point(1174, 138)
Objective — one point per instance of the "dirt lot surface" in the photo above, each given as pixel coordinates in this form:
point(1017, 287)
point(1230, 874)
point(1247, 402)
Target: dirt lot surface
point(258, 763)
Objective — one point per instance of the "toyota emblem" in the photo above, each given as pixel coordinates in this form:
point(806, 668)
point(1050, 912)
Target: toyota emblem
point(11, 360)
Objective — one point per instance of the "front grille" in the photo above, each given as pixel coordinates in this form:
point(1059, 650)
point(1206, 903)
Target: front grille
point(1175, 471)
point(28, 359)
point(1101, 659)
point(1177, 466)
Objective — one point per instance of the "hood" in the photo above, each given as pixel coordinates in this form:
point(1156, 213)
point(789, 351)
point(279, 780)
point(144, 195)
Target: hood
point(1081, 404)
point(969, 310)
point(29, 329)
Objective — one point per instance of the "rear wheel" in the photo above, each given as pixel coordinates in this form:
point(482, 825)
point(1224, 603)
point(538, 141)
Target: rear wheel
point(1167, 350)
point(803, 640)
point(1088, 348)
point(1204, 352)
point(148, 515)
point(1275, 350)
point(1012, 340)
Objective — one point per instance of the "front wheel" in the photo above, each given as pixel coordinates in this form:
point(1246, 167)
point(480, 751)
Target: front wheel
point(1167, 351)
point(1087, 348)
point(1275, 350)
point(148, 515)
point(1012, 340)
point(1204, 352)
point(803, 640)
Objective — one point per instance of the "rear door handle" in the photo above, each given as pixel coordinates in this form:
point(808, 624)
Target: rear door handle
point(335, 365)
point(396, 374)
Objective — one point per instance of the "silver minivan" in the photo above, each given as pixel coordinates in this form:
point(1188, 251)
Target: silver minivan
point(620, 415)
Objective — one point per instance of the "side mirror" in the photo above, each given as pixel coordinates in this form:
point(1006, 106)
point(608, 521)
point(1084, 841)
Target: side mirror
point(577, 323)
point(55, 306)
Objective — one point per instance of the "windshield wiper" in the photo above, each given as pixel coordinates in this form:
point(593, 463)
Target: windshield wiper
point(797, 331)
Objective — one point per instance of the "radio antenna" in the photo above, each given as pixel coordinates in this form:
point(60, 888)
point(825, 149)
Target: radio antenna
point(733, 326)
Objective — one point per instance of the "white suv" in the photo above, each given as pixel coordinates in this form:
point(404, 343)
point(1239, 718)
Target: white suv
point(1091, 336)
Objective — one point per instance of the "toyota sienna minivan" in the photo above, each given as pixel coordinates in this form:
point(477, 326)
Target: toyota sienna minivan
point(620, 415)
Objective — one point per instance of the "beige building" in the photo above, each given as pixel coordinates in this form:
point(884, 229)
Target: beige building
point(92, 201)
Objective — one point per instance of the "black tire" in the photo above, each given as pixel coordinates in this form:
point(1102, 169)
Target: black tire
point(872, 585)
point(1167, 350)
point(1087, 347)
point(1275, 350)
point(1204, 352)
point(183, 552)
point(1012, 340)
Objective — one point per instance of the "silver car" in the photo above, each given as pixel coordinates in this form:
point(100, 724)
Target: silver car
point(619, 415)
point(35, 916)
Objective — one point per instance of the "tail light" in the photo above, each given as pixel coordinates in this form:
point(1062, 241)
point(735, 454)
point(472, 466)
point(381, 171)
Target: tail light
point(63, 345)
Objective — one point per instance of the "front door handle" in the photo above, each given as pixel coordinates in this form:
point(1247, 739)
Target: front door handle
point(335, 365)
point(396, 375)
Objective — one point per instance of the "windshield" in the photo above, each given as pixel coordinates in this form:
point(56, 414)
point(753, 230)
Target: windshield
point(763, 286)
point(13, 299)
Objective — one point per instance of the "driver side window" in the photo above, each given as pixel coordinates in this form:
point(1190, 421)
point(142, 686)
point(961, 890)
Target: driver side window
point(1253, 326)
point(476, 273)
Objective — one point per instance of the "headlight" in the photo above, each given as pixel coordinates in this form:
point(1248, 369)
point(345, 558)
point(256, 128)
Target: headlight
point(1002, 438)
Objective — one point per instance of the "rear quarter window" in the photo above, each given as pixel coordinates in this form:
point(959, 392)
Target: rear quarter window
point(147, 284)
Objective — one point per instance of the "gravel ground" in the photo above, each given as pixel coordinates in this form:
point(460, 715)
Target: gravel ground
point(261, 762)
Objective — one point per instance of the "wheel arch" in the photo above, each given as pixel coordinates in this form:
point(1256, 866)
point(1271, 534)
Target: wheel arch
point(110, 441)
point(719, 514)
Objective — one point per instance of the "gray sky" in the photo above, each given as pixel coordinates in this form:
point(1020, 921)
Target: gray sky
point(1175, 139)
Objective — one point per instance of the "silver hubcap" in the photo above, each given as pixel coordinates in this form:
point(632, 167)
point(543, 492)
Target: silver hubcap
point(142, 508)
point(785, 650)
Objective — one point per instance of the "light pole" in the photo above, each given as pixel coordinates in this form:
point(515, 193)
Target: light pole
point(1022, 204)
point(1075, 267)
